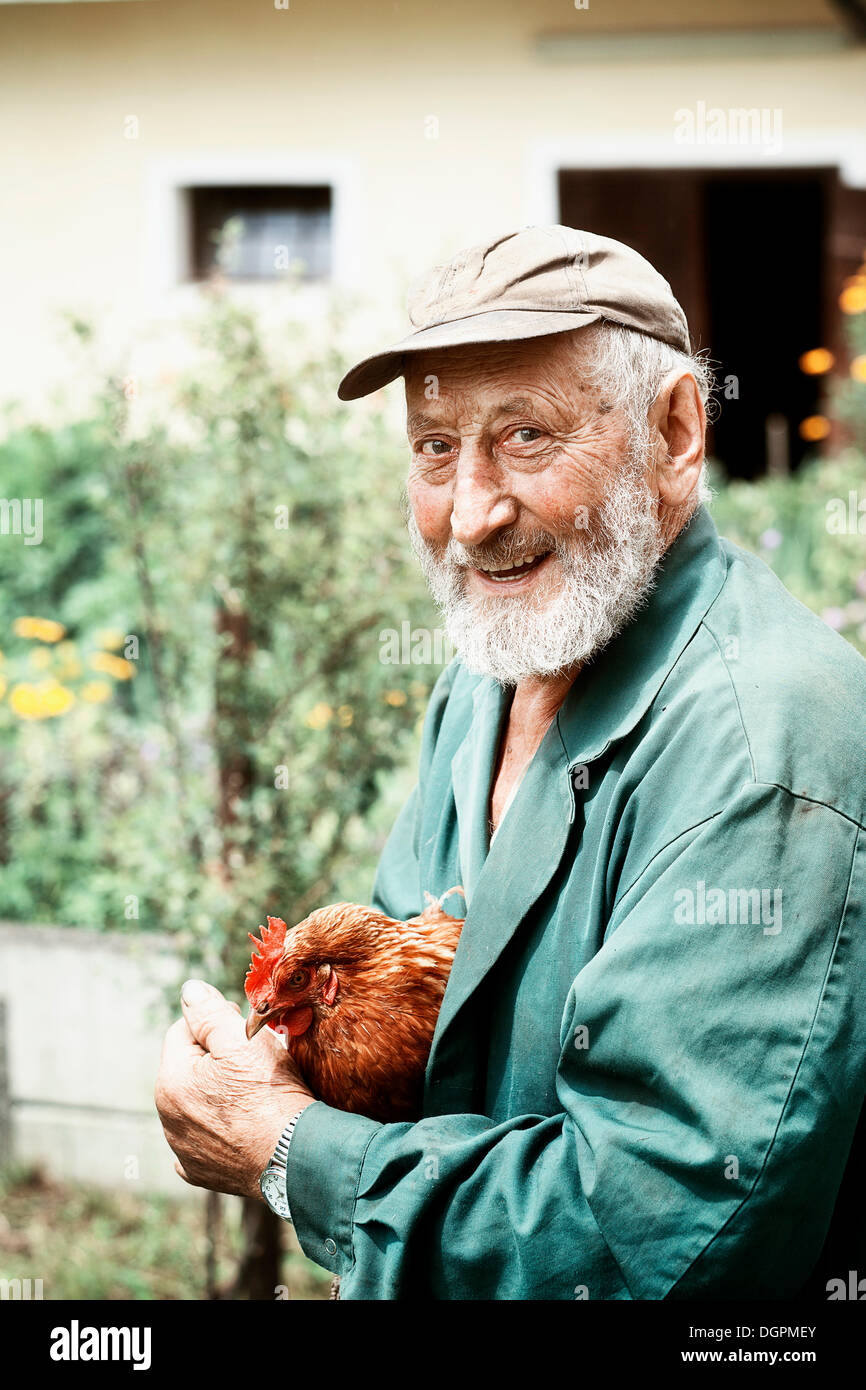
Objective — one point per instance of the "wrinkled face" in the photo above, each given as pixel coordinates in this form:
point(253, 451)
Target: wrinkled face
point(536, 527)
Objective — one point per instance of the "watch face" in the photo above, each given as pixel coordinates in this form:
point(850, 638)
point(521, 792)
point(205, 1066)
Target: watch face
point(273, 1185)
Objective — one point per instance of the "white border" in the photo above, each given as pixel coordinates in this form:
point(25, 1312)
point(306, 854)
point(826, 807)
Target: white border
point(842, 149)
point(165, 236)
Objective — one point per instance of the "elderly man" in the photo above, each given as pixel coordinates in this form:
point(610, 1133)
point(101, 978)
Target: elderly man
point(646, 767)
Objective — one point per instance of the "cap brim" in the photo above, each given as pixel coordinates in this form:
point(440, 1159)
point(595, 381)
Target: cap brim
point(495, 326)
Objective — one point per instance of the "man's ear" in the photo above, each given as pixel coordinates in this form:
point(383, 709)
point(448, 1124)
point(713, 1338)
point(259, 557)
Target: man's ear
point(679, 416)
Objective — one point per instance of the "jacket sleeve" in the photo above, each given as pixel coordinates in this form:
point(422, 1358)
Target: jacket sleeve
point(710, 1077)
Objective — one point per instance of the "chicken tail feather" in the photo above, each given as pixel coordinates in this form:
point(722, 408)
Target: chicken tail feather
point(434, 911)
point(455, 889)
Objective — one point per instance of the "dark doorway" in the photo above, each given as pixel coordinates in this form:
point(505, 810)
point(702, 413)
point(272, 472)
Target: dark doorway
point(764, 287)
point(742, 250)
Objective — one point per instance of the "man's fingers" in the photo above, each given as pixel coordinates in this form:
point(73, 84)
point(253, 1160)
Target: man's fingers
point(214, 1023)
point(178, 1168)
point(177, 1046)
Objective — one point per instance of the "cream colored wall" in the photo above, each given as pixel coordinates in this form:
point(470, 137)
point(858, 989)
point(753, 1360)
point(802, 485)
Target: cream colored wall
point(345, 88)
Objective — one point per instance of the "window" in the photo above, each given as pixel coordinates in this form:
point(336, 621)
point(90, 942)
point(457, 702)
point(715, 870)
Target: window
point(258, 232)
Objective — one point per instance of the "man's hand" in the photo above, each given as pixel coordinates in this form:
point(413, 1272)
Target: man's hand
point(223, 1101)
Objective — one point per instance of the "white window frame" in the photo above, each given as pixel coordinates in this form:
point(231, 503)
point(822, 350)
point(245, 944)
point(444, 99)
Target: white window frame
point(843, 149)
point(167, 226)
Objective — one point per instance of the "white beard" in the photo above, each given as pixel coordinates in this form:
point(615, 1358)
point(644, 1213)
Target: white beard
point(605, 575)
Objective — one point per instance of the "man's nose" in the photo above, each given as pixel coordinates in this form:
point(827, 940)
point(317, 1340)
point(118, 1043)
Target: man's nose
point(481, 503)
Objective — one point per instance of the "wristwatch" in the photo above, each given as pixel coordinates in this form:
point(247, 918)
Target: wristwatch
point(273, 1179)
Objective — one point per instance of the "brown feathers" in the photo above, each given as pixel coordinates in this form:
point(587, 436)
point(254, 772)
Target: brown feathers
point(357, 995)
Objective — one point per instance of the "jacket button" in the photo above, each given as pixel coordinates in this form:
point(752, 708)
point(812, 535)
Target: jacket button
point(331, 1246)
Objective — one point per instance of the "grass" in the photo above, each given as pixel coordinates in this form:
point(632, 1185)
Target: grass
point(86, 1243)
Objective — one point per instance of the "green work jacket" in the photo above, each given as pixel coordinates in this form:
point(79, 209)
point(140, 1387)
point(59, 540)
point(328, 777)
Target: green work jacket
point(648, 1069)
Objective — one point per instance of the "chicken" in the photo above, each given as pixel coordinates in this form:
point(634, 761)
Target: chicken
point(357, 995)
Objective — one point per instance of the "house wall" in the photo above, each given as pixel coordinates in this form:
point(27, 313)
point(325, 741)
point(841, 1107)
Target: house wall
point(346, 92)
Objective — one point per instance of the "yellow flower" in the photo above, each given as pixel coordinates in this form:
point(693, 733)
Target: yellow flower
point(43, 701)
point(858, 368)
point(395, 697)
point(40, 657)
point(110, 638)
point(56, 698)
point(41, 629)
point(319, 717)
point(25, 701)
point(345, 715)
point(116, 666)
point(814, 427)
point(94, 692)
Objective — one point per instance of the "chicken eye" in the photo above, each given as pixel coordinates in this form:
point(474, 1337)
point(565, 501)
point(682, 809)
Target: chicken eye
point(299, 978)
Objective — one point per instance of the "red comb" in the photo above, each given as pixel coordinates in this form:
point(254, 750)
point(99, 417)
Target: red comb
point(270, 948)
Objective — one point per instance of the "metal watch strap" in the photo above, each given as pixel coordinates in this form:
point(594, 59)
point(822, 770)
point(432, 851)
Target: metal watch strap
point(281, 1152)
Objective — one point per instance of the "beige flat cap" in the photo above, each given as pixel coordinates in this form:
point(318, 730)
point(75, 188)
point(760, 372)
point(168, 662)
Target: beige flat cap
point(524, 285)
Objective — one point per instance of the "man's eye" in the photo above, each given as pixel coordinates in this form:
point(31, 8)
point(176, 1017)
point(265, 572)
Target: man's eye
point(526, 434)
point(435, 448)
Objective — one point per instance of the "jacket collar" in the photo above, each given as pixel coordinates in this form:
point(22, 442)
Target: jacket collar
point(607, 701)
point(614, 692)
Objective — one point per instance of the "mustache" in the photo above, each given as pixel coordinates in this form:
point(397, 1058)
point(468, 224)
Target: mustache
point(513, 547)
point(510, 549)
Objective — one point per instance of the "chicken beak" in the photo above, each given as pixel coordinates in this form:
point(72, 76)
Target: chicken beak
point(255, 1021)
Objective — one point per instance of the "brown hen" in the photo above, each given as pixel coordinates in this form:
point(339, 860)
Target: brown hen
point(356, 995)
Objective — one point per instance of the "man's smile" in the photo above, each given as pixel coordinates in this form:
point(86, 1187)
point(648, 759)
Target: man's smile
point(514, 578)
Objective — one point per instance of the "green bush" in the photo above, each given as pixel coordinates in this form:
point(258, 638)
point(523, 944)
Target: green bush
point(793, 525)
point(241, 532)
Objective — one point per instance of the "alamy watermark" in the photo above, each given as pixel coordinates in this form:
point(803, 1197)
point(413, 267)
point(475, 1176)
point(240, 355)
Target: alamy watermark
point(738, 125)
point(853, 1288)
point(77, 1343)
point(414, 646)
point(846, 519)
point(714, 906)
point(22, 516)
point(20, 1289)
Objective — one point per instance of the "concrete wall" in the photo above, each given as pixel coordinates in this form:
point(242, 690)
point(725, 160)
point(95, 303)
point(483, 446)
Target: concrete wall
point(86, 1013)
point(345, 93)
